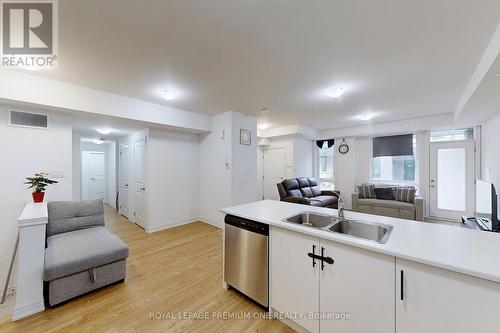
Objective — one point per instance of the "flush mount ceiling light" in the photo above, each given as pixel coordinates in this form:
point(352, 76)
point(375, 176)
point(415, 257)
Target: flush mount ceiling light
point(104, 131)
point(99, 141)
point(366, 116)
point(169, 95)
point(335, 92)
point(265, 110)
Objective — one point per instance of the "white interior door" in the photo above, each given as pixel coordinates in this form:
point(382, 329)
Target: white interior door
point(139, 182)
point(274, 171)
point(93, 175)
point(124, 180)
point(452, 179)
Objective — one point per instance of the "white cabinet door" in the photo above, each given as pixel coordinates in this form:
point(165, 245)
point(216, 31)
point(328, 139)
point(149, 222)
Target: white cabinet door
point(294, 280)
point(435, 301)
point(357, 291)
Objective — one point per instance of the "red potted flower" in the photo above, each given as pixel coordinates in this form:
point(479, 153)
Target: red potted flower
point(39, 183)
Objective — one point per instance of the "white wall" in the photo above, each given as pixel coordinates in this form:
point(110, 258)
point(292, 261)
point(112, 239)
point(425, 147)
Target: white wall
point(224, 185)
point(490, 152)
point(244, 160)
point(173, 178)
point(215, 177)
point(25, 152)
point(260, 173)
point(345, 171)
point(302, 157)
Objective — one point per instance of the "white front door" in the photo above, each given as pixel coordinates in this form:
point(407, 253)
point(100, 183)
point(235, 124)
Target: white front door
point(124, 180)
point(274, 171)
point(452, 179)
point(93, 175)
point(139, 182)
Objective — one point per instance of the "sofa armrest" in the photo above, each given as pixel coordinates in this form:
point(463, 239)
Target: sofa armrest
point(331, 193)
point(419, 208)
point(297, 200)
point(355, 197)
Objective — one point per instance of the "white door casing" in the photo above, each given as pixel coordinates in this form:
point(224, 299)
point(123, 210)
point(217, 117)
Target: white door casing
point(139, 152)
point(274, 171)
point(452, 172)
point(93, 175)
point(124, 180)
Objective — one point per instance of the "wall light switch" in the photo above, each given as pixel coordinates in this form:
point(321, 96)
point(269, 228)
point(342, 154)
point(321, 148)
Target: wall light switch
point(58, 174)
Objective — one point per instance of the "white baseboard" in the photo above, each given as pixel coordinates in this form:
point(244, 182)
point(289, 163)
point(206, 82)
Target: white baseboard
point(212, 223)
point(171, 225)
point(28, 310)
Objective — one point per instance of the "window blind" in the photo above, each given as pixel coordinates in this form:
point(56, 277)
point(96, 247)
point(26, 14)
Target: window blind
point(395, 145)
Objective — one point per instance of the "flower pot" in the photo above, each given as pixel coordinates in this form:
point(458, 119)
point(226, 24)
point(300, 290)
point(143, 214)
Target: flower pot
point(38, 196)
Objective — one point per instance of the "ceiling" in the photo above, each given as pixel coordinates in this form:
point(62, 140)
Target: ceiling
point(484, 104)
point(398, 59)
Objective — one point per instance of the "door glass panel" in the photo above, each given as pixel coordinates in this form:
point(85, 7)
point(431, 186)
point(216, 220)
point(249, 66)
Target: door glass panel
point(451, 180)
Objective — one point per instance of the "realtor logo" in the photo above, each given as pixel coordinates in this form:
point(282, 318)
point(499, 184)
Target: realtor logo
point(29, 34)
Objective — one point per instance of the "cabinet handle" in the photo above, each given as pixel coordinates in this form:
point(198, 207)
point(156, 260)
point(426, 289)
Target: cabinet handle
point(402, 285)
point(324, 259)
point(314, 256)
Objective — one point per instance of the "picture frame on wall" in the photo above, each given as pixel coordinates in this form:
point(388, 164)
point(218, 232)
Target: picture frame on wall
point(245, 137)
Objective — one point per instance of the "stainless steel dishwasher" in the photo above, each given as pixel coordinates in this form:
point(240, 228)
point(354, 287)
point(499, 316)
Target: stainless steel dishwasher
point(246, 257)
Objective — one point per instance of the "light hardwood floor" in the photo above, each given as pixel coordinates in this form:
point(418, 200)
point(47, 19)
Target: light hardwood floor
point(173, 271)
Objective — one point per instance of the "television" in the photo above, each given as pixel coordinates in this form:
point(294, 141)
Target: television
point(486, 205)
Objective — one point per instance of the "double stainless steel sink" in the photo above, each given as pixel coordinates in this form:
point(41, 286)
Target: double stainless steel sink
point(371, 231)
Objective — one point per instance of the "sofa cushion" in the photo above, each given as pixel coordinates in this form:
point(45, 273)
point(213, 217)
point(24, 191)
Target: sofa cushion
point(316, 191)
point(81, 250)
point(366, 191)
point(295, 193)
point(312, 182)
point(303, 182)
point(67, 216)
point(386, 203)
point(384, 193)
point(325, 200)
point(406, 194)
point(290, 184)
point(306, 192)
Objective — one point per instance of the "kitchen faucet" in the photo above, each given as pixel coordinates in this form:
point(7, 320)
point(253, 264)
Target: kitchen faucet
point(340, 209)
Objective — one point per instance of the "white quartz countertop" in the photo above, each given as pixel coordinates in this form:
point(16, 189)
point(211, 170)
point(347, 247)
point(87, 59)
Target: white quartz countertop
point(472, 252)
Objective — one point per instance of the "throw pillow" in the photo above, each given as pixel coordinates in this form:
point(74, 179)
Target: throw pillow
point(384, 193)
point(366, 191)
point(406, 194)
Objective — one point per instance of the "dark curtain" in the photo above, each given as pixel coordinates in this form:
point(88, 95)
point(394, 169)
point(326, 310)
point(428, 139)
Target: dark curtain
point(320, 143)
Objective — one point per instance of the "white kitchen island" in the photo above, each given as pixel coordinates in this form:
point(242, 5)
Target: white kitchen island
point(425, 278)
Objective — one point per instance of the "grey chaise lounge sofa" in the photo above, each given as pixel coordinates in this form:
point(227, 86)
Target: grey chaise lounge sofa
point(81, 255)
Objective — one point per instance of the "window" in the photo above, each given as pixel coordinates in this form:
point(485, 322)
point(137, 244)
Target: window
point(394, 159)
point(453, 135)
point(325, 164)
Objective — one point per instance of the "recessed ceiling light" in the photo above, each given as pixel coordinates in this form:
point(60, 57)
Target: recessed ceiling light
point(169, 95)
point(99, 141)
point(104, 131)
point(335, 92)
point(366, 116)
point(263, 126)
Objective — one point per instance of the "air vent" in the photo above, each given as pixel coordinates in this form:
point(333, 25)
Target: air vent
point(28, 119)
